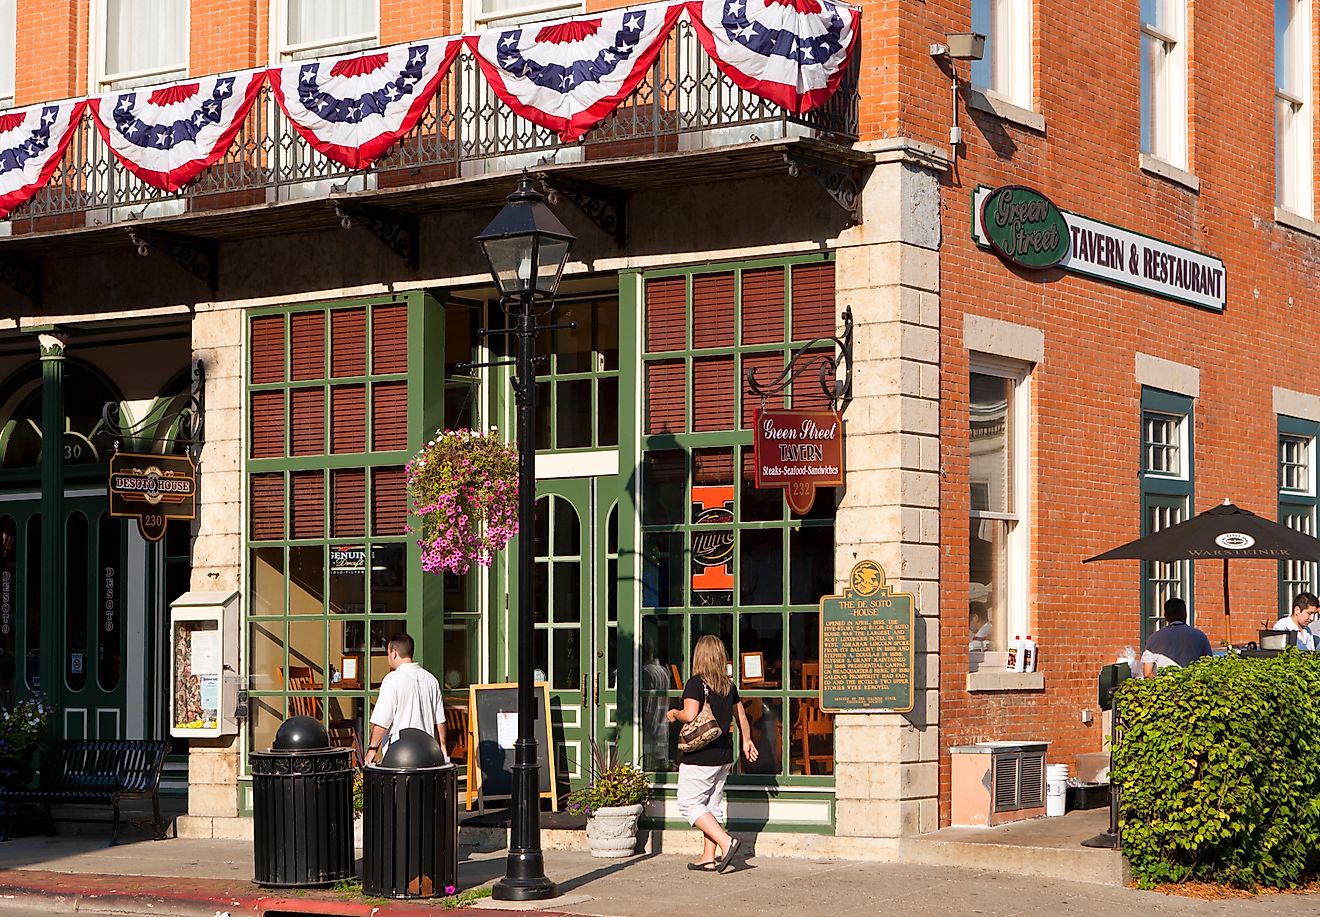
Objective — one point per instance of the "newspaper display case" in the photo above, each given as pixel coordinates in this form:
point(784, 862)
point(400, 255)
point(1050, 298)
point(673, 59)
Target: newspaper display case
point(204, 664)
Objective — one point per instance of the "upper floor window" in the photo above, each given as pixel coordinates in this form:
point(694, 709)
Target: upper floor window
point(1293, 142)
point(1166, 495)
point(142, 41)
point(1162, 444)
point(1295, 464)
point(1005, 70)
point(498, 12)
point(1297, 501)
point(315, 27)
point(7, 52)
point(1164, 80)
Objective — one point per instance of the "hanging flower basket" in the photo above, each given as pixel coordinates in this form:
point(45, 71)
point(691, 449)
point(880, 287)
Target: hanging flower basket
point(463, 486)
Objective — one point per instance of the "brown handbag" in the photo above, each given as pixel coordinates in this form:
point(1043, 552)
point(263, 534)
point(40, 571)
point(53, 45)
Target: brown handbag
point(702, 730)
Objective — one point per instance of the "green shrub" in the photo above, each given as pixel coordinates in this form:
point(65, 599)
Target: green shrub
point(1219, 767)
point(612, 784)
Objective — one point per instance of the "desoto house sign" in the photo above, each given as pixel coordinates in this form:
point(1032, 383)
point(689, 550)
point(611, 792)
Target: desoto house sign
point(152, 489)
point(1095, 249)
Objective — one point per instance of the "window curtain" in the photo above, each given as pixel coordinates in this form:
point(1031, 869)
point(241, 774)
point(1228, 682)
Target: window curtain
point(7, 52)
point(145, 35)
point(329, 21)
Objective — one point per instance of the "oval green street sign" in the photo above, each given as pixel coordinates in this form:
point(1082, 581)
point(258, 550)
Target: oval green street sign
point(1025, 227)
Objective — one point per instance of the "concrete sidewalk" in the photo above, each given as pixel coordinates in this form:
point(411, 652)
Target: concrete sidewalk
point(206, 878)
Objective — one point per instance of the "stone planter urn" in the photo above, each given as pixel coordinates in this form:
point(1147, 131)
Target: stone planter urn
point(612, 831)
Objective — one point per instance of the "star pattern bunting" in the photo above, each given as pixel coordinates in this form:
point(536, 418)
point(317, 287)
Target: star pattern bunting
point(569, 75)
point(32, 142)
point(792, 52)
point(167, 137)
point(353, 108)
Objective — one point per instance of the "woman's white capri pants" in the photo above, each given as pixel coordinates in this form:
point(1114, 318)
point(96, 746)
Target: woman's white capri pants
point(701, 790)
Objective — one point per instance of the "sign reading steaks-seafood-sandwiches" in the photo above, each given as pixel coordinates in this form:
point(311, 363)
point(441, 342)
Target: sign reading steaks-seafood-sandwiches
point(152, 489)
point(798, 451)
point(1093, 248)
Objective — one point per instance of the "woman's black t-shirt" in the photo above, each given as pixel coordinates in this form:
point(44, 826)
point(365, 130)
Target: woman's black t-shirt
point(720, 751)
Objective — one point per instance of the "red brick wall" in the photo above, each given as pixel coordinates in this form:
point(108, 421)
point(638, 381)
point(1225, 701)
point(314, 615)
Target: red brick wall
point(1086, 400)
point(50, 50)
point(227, 35)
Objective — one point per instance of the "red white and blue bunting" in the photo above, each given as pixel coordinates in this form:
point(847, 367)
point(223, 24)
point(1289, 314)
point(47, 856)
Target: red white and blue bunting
point(167, 136)
point(569, 75)
point(792, 52)
point(354, 108)
point(32, 141)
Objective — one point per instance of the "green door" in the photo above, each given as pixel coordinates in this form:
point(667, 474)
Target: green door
point(91, 695)
point(576, 613)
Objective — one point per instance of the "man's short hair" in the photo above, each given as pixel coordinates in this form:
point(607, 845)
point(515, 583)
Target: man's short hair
point(402, 644)
point(1306, 600)
point(1175, 609)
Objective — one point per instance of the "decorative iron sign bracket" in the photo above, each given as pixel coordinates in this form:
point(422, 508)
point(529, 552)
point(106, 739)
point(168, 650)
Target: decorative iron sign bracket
point(842, 183)
point(199, 257)
point(835, 369)
point(606, 207)
point(23, 277)
point(190, 417)
point(397, 230)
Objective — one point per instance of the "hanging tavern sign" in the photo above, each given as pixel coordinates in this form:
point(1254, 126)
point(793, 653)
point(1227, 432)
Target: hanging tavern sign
point(867, 637)
point(798, 451)
point(1020, 224)
point(152, 489)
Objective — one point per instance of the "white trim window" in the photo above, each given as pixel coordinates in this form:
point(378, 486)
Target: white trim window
point(1005, 70)
point(1164, 80)
point(1297, 502)
point(999, 468)
point(1293, 143)
point(319, 28)
point(482, 13)
point(8, 51)
point(138, 42)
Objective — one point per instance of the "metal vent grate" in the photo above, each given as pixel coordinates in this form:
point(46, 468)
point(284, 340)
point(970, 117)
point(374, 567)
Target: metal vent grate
point(1031, 781)
point(1018, 780)
point(1005, 777)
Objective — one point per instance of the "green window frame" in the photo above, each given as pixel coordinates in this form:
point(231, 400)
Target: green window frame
point(1166, 470)
point(1297, 500)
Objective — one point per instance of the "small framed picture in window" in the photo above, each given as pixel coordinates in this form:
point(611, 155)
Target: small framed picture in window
point(348, 667)
point(753, 668)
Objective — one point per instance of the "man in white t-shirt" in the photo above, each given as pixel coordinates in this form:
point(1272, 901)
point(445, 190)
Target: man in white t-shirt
point(1305, 608)
point(409, 699)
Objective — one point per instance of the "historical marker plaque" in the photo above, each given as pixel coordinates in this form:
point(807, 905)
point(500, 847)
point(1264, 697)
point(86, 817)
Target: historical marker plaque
point(867, 660)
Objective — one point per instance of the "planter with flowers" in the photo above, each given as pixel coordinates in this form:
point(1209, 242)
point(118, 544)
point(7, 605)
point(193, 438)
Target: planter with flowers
point(21, 729)
point(613, 804)
point(463, 488)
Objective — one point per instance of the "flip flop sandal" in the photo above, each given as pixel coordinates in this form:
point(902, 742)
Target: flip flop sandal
point(727, 860)
point(711, 866)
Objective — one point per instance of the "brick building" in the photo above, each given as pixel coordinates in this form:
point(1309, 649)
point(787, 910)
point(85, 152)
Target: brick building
point(999, 420)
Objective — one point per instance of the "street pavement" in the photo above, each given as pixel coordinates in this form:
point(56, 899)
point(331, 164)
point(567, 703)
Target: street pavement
point(206, 878)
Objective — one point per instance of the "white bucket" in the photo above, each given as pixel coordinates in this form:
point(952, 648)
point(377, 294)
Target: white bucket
point(1056, 789)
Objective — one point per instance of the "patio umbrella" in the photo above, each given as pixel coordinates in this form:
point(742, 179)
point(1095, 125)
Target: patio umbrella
point(1227, 532)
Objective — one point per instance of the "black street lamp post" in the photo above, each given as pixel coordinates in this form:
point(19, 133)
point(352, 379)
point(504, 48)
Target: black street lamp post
point(527, 248)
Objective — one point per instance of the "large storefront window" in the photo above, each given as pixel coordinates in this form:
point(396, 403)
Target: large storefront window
point(719, 556)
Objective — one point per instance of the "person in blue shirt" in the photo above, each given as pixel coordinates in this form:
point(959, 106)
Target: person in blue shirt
point(1177, 643)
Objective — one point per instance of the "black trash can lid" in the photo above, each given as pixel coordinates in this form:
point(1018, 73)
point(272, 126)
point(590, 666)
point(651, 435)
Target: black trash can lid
point(301, 733)
point(413, 748)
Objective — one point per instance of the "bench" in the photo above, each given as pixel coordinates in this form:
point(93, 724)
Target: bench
point(92, 772)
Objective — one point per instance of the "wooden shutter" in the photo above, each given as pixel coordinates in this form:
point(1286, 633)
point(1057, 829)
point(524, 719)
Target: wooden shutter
point(267, 424)
point(348, 503)
point(267, 492)
point(307, 412)
point(348, 342)
point(389, 339)
point(348, 418)
point(307, 508)
point(389, 416)
point(666, 314)
point(389, 501)
point(807, 394)
point(267, 349)
point(713, 303)
point(763, 306)
point(768, 366)
point(712, 466)
point(666, 397)
point(813, 301)
point(307, 357)
point(714, 393)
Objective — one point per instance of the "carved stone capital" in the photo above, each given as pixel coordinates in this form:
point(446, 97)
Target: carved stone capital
point(52, 345)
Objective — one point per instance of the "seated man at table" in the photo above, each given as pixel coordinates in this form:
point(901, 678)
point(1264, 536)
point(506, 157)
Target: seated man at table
point(1305, 607)
point(1177, 643)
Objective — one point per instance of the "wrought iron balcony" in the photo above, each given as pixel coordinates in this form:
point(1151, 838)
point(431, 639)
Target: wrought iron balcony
point(684, 104)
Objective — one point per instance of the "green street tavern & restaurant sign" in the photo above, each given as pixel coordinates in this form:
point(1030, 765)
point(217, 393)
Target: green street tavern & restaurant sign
point(867, 635)
point(1024, 227)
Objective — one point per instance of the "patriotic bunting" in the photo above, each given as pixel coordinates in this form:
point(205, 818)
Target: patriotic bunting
point(167, 136)
point(791, 52)
point(569, 75)
point(353, 108)
point(32, 141)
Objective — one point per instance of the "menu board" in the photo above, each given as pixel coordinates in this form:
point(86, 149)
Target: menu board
point(866, 646)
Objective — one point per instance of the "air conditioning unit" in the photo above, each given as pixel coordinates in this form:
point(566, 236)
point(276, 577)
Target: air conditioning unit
point(997, 782)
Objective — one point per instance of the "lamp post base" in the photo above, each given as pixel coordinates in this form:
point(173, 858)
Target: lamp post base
point(524, 880)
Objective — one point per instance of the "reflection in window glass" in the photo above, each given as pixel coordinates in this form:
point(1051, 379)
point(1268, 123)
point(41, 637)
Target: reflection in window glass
point(761, 566)
point(75, 616)
point(810, 564)
point(662, 569)
point(265, 714)
point(765, 716)
point(804, 650)
point(267, 654)
point(460, 662)
point(307, 655)
point(32, 634)
point(760, 651)
point(267, 579)
point(388, 581)
point(348, 580)
point(664, 487)
point(307, 579)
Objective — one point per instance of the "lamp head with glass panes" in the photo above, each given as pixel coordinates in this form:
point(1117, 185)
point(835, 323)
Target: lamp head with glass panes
point(527, 248)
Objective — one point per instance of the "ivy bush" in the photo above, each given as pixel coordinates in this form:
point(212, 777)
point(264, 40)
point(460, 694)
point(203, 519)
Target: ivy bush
point(1219, 767)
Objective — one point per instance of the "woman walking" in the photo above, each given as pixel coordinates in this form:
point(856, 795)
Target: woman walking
point(702, 772)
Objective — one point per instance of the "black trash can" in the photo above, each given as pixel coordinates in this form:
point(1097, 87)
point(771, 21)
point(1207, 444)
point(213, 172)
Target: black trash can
point(302, 809)
point(409, 831)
